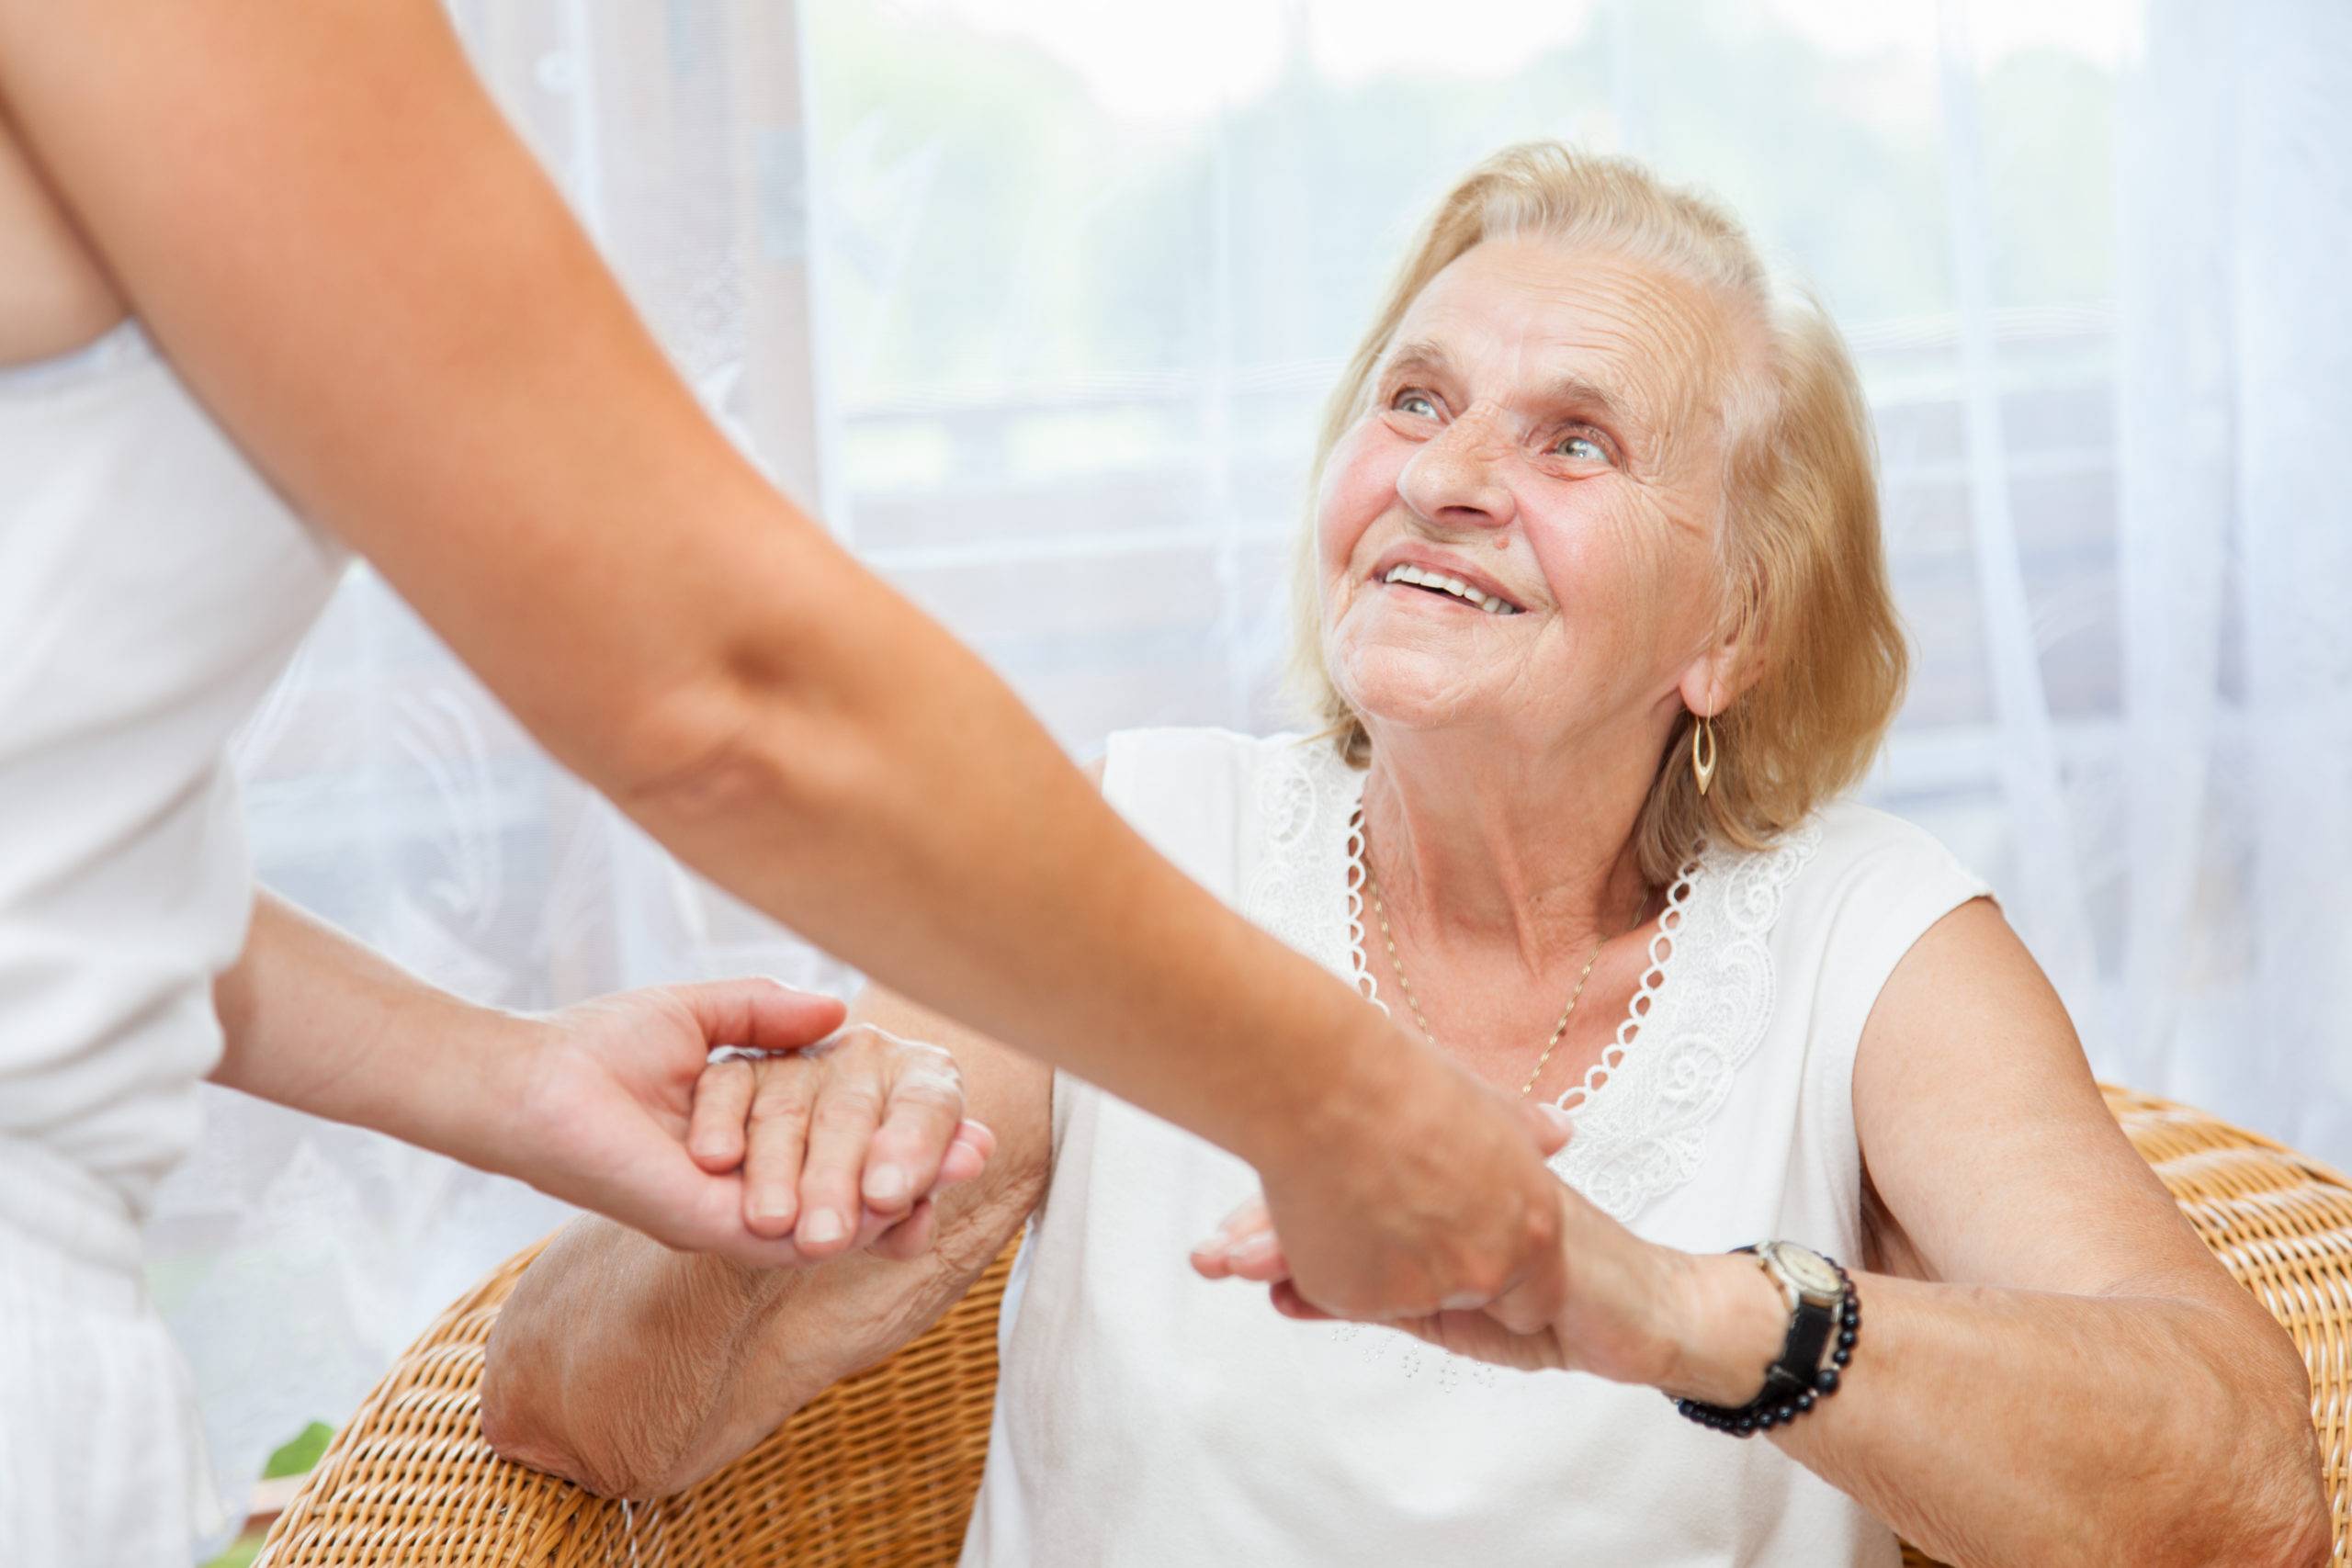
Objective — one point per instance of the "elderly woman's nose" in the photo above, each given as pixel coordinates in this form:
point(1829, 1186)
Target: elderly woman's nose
point(1456, 477)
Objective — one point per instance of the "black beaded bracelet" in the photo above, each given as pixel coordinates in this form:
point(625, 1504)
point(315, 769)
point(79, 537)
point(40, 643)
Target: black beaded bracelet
point(1783, 1399)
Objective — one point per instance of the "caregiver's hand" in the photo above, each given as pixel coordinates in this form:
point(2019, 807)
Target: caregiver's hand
point(840, 1144)
point(608, 1094)
point(1455, 1208)
point(593, 1104)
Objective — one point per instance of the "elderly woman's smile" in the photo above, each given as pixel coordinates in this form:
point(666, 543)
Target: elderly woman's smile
point(1448, 580)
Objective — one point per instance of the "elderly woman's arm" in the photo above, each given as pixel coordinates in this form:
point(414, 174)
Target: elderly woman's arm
point(2051, 1367)
point(637, 1371)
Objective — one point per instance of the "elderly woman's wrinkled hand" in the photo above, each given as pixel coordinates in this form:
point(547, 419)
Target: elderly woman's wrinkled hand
point(844, 1145)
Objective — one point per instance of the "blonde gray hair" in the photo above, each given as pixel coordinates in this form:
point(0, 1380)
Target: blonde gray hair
point(1822, 659)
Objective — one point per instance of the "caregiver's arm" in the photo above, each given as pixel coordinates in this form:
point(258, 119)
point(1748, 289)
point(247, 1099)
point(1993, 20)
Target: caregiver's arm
point(2090, 1386)
point(343, 247)
point(591, 1103)
point(637, 1371)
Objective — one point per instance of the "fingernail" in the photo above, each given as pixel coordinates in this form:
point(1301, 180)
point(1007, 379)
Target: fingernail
point(886, 1185)
point(824, 1225)
point(1254, 1247)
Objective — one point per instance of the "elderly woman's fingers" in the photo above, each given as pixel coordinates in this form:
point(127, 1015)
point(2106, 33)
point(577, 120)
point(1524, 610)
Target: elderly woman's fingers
point(968, 1155)
point(925, 1113)
point(1247, 1247)
point(715, 1128)
point(1212, 1259)
point(1550, 1127)
point(1258, 1257)
point(777, 1137)
point(1289, 1303)
point(1527, 1309)
point(849, 1102)
point(1520, 1312)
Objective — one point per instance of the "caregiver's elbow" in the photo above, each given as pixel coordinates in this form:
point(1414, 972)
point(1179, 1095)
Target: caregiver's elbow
point(734, 746)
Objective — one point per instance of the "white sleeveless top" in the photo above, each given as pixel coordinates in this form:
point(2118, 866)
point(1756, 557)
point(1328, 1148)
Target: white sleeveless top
point(151, 586)
point(1144, 1415)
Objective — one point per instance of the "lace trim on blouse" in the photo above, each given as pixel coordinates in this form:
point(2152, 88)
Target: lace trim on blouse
point(1643, 1111)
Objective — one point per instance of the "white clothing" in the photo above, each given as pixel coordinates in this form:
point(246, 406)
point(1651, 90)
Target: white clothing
point(152, 587)
point(101, 1451)
point(1146, 1416)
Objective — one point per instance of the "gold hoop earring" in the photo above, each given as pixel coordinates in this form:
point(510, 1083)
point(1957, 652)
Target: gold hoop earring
point(1702, 753)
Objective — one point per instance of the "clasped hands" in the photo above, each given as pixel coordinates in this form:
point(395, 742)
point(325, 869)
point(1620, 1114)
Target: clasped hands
point(816, 1138)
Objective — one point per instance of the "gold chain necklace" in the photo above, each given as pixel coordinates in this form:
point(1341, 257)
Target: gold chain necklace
point(1380, 913)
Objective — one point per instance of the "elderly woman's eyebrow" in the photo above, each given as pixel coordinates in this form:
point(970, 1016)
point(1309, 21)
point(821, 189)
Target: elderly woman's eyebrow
point(1595, 400)
point(1419, 354)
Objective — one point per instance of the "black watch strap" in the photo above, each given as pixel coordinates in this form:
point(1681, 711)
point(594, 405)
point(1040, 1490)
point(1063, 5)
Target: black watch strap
point(1810, 1325)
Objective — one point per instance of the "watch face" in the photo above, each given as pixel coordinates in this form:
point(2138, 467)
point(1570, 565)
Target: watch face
point(1808, 1270)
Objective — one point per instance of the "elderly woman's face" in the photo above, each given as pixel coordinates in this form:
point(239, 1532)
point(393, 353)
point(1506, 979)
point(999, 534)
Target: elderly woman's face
point(1544, 431)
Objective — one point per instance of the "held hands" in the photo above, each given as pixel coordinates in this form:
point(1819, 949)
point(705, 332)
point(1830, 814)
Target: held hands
point(1615, 1312)
point(1455, 1212)
point(622, 1110)
point(841, 1145)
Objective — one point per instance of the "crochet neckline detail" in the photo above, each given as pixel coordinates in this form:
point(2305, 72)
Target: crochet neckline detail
point(1663, 928)
point(1643, 1111)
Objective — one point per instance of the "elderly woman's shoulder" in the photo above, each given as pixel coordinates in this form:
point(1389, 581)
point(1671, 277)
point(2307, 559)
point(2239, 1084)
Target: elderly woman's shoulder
point(1851, 852)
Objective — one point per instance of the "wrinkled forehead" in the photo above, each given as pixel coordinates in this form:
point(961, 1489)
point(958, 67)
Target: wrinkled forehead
point(1531, 322)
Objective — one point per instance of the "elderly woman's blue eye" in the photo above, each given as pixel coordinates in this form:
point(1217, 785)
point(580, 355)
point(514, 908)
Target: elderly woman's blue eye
point(1583, 448)
point(1403, 400)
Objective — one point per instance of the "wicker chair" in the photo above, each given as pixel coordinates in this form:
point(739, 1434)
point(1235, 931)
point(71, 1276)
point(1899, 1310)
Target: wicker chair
point(880, 1472)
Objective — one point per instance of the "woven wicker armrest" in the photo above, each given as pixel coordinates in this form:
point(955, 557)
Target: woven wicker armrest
point(880, 1472)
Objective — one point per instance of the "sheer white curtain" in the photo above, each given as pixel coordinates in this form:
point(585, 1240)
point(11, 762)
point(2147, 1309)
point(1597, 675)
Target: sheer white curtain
point(1035, 301)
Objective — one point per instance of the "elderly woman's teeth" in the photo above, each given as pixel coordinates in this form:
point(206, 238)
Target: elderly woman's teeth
point(1492, 604)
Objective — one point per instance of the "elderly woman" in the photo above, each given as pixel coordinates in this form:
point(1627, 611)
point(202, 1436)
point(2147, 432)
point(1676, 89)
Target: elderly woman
point(1595, 607)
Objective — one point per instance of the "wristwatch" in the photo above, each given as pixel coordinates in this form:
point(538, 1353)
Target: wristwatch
point(1823, 1315)
point(1815, 1289)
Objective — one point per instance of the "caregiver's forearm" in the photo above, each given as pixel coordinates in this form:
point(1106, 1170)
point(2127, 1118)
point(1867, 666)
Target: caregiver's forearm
point(314, 1020)
point(413, 338)
point(2001, 1426)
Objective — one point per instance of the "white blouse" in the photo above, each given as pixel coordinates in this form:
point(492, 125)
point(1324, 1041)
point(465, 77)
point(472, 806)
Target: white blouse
point(151, 586)
point(1144, 1415)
